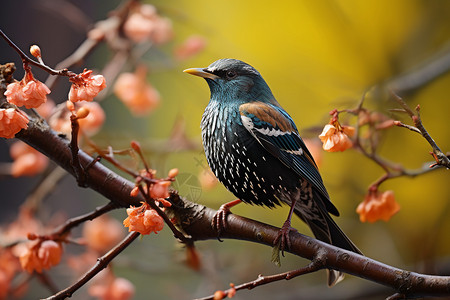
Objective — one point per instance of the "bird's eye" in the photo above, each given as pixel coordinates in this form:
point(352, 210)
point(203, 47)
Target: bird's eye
point(231, 74)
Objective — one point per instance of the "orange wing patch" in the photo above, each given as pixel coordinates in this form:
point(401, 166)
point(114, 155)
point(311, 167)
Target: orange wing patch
point(267, 114)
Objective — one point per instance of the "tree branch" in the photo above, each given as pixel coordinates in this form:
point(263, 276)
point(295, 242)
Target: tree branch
point(101, 264)
point(195, 220)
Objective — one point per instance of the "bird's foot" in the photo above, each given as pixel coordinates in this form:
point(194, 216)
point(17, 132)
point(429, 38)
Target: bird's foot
point(219, 220)
point(282, 240)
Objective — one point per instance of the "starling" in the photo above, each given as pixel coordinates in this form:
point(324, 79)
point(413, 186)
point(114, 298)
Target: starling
point(253, 147)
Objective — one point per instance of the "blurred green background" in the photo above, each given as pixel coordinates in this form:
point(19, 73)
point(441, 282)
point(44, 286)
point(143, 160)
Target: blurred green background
point(315, 56)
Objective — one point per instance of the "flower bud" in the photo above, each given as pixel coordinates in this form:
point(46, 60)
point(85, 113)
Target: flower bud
point(83, 112)
point(35, 51)
point(136, 146)
point(173, 173)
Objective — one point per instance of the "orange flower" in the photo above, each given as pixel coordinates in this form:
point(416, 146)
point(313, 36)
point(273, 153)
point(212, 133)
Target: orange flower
point(27, 160)
point(145, 24)
point(50, 253)
point(190, 47)
point(163, 32)
point(139, 25)
point(336, 137)
point(138, 95)
point(103, 233)
point(377, 206)
point(11, 122)
point(115, 289)
point(143, 219)
point(40, 255)
point(86, 86)
point(28, 92)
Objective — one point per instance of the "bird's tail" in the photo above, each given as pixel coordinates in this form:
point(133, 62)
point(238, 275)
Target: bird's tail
point(325, 229)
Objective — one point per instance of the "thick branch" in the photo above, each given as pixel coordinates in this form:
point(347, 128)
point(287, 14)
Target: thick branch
point(196, 219)
point(99, 178)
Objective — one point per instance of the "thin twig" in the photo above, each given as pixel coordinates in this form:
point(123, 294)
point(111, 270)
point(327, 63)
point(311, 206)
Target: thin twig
point(101, 264)
point(439, 156)
point(73, 222)
point(412, 128)
point(25, 58)
point(313, 266)
point(178, 234)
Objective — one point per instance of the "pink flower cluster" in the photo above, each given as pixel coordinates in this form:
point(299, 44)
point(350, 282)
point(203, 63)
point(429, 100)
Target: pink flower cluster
point(28, 92)
point(86, 86)
point(144, 24)
point(138, 95)
point(335, 137)
point(27, 160)
point(143, 219)
point(11, 122)
point(39, 256)
point(377, 206)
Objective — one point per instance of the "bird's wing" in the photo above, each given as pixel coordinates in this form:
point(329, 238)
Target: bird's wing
point(274, 129)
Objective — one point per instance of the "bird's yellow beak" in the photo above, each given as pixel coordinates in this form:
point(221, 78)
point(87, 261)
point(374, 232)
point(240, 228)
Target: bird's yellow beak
point(201, 72)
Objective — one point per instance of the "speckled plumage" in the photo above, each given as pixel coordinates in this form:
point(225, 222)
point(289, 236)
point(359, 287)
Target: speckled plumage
point(253, 147)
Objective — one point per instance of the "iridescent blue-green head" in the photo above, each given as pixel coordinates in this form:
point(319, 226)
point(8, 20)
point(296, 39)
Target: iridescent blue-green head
point(234, 81)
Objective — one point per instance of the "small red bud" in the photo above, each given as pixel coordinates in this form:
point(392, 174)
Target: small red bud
point(32, 236)
point(136, 146)
point(35, 51)
point(219, 295)
point(134, 192)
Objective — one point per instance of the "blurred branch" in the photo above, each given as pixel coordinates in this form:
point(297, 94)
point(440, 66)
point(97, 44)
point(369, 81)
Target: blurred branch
point(71, 223)
point(101, 264)
point(102, 31)
point(424, 74)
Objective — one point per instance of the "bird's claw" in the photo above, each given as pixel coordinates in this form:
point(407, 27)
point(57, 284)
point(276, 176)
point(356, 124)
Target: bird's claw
point(283, 238)
point(219, 220)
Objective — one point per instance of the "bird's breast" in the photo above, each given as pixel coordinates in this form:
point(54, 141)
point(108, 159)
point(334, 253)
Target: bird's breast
point(238, 160)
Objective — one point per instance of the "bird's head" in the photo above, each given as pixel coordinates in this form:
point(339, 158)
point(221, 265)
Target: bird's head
point(234, 80)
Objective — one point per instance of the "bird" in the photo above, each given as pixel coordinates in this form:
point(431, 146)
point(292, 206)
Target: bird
point(255, 150)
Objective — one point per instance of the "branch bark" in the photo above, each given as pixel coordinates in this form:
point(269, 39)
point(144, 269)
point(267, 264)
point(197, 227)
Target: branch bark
point(195, 220)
